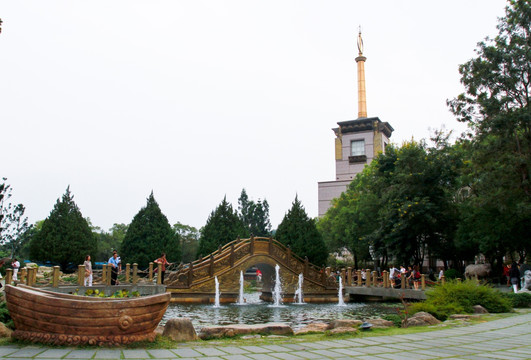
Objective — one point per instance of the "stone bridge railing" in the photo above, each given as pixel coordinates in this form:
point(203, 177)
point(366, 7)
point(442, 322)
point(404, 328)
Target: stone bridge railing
point(236, 252)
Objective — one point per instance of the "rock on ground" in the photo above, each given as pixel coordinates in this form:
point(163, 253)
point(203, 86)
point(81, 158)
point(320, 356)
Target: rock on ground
point(5, 331)
point(478, 309)
point(211, 332)
point(343, 330)
point(422, 319)
point(312, 328)
point(341, 323)
point(380, 323)
point(180, 330)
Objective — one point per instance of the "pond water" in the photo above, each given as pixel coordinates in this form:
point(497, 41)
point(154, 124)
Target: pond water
point(255, 311)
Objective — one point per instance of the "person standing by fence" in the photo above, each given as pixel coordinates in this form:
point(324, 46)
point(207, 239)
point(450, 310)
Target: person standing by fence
point(116, 264)
point(15, 265)
point(88, 271)
point(162, 260)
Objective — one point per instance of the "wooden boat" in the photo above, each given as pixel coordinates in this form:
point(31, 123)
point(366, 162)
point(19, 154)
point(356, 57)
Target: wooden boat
point(64, 319)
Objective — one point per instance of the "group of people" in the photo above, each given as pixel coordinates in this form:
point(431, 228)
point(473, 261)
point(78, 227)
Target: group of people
point(116, 267)
point(412, 274)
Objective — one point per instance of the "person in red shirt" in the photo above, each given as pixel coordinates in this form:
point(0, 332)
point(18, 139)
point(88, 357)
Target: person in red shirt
point(162, 260)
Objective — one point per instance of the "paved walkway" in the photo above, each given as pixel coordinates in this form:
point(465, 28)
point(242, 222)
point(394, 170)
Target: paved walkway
point(508, 338)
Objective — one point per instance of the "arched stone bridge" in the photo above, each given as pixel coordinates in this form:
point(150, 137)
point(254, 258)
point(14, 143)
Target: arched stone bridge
point(194, 282)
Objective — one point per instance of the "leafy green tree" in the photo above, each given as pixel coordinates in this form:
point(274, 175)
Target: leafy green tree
point(12, 221)
point(109, 240)
point(149, 235)
point(254, 215)
point(65, 236)
point(189, 236)
point(495, 105)
point(300, 233)
point(223, 226)
point(400, 208)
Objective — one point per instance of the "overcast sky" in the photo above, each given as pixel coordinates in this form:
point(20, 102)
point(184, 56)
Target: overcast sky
point(196, 100)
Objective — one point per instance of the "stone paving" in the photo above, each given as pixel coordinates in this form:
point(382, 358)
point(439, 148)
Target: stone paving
point(508, 338)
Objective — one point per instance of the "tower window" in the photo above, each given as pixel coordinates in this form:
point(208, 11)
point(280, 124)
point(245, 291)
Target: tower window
point(357, 147)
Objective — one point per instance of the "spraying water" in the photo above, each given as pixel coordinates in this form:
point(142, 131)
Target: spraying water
point(340, 301)
point(216, 304)
point(277, 291)
point(298, 293)
point(241, 300)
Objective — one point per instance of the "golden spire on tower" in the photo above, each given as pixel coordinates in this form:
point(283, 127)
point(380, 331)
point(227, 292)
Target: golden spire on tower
point(362, 100)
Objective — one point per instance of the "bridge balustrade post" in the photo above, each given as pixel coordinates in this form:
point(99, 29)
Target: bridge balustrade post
point(327, 271)
point(9, 276)
point(368, 278)
point(375, 278)
point(306, 266)
point(231, 257)
point(22, 275)
point(343, 277)
point(211, 266)
point(109, 275)
point(403, 280)
point(270, 246)
point(288, 257)
point(251, 246)
point(135, 273)
point(55, 276)
point(150, 271)
point(81, 275)
point(443, 279)
point(127, 272)
point(358, 274)
point(423, 281)
point(104, 274)
point(385, 279)
point(219, 249)
point(190, 274)
point(349, 276)
point(29, 279)
point(323, 276)
point(159, 273)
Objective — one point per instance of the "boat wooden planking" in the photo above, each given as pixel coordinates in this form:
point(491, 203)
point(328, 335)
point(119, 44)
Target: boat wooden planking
point(49, 317)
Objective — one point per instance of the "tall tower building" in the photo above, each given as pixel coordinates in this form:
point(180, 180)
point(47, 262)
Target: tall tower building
point(357, 142)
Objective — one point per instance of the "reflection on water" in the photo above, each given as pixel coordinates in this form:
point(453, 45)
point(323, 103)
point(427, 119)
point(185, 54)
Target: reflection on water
point(257, 312)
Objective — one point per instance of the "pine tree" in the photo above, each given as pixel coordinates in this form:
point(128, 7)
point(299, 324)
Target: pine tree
point(149, 235)
point(223, 226)
point(254, 215)
point(300, 233)
point(65, 236)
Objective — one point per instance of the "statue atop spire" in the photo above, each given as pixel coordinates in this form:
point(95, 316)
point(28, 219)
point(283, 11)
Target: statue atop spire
point(360, 43)
point(362, 100)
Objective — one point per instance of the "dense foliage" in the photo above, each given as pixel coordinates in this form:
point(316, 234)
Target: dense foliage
point(108, 240)
point(189, 236)
point(65, 236)
point(456, 297)
point(300, 233)
point(223, 226)
point(148, 235)
point(13, 224)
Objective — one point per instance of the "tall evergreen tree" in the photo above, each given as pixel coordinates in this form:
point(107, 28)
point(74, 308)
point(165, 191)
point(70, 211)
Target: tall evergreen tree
point(65, 236)
point(300, 233)
point(254, 215)
point(148, 235)
point(223, 226)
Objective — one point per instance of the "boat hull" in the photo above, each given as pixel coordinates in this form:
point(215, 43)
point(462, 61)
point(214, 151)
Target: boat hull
point(55, 318)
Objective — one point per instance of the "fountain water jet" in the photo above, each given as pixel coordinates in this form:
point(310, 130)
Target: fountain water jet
point(216, 303)
point(277, 290)
point(241, 300)
point(340, 301)
point(298, 293)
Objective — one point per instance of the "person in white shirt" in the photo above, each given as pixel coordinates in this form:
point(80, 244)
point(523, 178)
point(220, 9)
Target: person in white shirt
point(88, 271)
point(15, 265)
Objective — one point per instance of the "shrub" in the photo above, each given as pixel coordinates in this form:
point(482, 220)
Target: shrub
point(395, 318)
point(458, 297)
point(520, 300)
point(5, 317)
point(452, 274)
